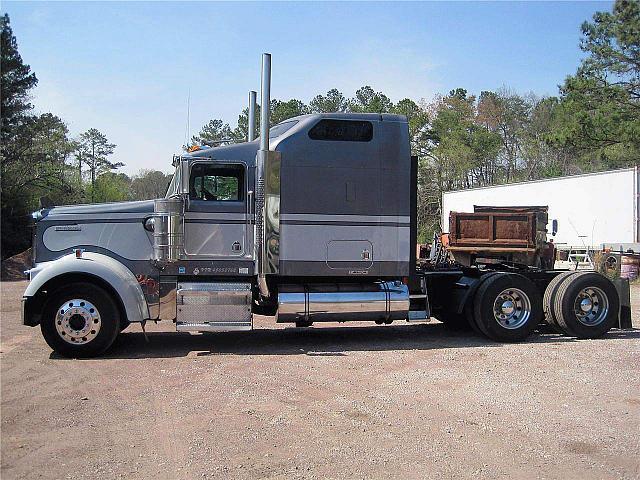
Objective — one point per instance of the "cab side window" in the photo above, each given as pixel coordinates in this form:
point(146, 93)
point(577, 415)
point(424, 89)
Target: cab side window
point(217, 183)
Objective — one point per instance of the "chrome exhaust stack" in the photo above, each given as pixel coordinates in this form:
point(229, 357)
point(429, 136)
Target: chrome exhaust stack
point(265, 101)
point(252, 116)
point(261, 159)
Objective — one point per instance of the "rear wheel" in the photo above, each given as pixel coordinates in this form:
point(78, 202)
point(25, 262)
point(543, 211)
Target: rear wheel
point(469, 306)
point(507, 307)
point(586, 305)
point(549, 298)
point(80, 320)
point(463, 321)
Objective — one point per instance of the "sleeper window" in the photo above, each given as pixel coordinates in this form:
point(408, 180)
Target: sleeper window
point(342, 131)
point(216, 183)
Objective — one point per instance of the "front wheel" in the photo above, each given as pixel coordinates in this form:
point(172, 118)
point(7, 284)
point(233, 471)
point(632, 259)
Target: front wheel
point(80, 320)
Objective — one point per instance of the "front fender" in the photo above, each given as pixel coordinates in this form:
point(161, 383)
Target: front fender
point(105, 268)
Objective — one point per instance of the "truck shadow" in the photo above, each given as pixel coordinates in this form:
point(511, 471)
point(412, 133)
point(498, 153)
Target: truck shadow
point(324, 341)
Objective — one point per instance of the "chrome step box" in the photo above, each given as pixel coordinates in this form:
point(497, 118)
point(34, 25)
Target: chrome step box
point(213, 307)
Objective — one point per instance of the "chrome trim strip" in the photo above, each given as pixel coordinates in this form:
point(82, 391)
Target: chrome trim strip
point(312, 217)
point(213, 216)
point(217, 221)
point(72, 220)
point(66, 217)
point(346, 224)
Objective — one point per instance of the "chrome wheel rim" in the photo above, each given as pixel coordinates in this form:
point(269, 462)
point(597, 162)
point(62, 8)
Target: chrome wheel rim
point(78, 321)
point(591, 306)
point(512, 308)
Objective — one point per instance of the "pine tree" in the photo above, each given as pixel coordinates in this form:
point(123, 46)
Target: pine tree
point(17, 81)
point(93, 150)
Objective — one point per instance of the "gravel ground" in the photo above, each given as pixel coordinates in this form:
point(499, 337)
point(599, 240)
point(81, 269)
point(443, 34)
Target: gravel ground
point(399, 401)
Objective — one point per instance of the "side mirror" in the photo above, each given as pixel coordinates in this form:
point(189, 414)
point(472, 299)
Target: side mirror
point(184, 176)
point(554, 227)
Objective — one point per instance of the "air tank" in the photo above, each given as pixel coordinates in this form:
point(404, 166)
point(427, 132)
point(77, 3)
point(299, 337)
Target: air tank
point(168, 229)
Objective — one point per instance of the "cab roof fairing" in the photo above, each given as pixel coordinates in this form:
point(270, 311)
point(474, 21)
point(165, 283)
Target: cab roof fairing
point(247, 151)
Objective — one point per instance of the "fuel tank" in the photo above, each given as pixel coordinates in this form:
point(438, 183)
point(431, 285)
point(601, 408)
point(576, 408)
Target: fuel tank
point(383, 301)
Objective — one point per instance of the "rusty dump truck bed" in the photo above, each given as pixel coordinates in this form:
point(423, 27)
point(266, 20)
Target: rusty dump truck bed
point(507, 233)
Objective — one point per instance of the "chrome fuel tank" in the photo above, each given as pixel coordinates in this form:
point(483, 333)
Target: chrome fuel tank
point(343, 302)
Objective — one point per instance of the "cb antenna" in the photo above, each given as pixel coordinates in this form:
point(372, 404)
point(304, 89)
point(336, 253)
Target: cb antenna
point(187, 129)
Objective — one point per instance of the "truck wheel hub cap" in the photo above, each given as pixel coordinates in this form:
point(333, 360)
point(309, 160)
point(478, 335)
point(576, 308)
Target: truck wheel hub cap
point(78, 321)
point(586, 305)
point(508, 307)
point(591, 306)
point(512, 308)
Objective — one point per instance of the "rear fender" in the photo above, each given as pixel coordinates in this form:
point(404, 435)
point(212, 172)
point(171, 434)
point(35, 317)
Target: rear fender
point(465, 289)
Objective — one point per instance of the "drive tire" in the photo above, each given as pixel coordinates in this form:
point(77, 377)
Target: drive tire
point(469, 311)
point(464, 321)
point(507, 307)
point(586, 305)
point(549, 298)
point(99, 316)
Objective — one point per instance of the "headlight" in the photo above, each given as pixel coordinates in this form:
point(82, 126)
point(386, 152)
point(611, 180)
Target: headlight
point(149, 224)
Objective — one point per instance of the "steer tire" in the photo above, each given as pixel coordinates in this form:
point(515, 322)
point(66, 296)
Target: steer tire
point(601, 299)
point(519, 295)
point(101, 322)
point(548, 300)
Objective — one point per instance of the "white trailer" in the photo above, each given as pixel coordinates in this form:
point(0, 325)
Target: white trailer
point(591, 209)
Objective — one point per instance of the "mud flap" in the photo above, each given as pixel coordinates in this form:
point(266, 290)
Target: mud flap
point(624, 293)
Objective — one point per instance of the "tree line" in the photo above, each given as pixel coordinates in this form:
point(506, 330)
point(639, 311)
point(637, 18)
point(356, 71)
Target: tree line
point(462, 139)
point(41, 164)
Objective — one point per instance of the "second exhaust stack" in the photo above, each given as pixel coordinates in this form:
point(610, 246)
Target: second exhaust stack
point(261, 158)
point(252, 116)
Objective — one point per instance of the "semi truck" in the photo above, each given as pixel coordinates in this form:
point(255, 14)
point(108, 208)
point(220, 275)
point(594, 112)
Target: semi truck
point(313, 221)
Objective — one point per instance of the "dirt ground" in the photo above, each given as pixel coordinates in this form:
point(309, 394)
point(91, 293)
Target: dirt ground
point(13, 268)
point(399, 401)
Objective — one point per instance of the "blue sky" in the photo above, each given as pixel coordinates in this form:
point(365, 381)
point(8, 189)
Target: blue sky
point(127, 68)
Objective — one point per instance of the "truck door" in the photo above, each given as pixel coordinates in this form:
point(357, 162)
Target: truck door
point(217, 223)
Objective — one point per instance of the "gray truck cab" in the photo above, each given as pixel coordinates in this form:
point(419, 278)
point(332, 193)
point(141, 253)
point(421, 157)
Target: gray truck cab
point(324, 219)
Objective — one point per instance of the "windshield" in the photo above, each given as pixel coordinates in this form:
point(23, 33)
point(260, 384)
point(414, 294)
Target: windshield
point(174, 184)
